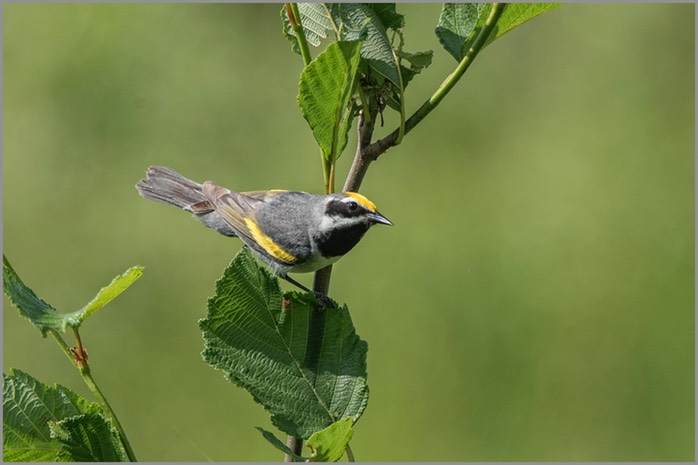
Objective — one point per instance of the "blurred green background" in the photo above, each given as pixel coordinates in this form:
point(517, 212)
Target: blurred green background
point(534, 301)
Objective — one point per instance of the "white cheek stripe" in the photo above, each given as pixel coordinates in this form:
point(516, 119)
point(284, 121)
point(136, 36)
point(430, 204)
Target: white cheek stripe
point(326, 223)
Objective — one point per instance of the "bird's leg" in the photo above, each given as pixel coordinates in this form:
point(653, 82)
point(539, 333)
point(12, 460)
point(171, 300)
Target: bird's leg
point(323, 299)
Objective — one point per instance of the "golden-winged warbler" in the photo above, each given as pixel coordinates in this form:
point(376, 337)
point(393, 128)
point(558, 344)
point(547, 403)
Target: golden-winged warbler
point(291, 232)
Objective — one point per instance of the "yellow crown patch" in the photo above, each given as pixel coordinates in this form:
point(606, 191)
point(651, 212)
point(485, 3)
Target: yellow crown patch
point(362, 200)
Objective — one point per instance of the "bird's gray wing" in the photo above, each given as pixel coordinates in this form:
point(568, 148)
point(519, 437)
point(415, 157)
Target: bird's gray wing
point(238, 210)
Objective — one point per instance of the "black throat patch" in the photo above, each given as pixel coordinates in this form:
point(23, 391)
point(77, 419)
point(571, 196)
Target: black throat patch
point(337, 242)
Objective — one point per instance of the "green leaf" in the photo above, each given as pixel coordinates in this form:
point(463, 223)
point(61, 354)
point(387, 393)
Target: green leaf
point(359, 21)
point(457, 26)
point(47, 318)
point(37, 311)
point(316, 21)
point(353, 20)
point(88, 438)
point(276, 442)
point(329, 444)
point(306, 367)
point(460, 23)
point(515, 14)
point(389, 17)
point(28, 406)
point(325, 95)
point(418, 61)
point(368, 22)
point(105, 295)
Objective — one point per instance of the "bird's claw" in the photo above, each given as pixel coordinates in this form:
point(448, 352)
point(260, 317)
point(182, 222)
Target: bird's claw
point(324, 300)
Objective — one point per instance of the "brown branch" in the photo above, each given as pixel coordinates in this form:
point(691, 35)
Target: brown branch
point(359, 166)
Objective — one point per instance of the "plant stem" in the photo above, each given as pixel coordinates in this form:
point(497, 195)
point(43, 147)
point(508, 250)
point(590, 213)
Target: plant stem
point(294, 18)
point(84, 369)
point(321, 280)
point(296, 445)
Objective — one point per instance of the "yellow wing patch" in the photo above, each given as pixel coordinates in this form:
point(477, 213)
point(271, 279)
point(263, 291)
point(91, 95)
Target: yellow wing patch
point(362, 200)
point(267, 243)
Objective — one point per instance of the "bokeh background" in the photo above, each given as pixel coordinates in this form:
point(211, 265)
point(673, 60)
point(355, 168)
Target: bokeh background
point(535, 300)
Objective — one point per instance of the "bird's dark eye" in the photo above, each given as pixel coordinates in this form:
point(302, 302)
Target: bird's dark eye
point(352, 206)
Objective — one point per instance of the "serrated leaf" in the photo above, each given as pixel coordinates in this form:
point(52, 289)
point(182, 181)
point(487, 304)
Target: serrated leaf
point(359, 21)
point(105, 295)
point(306, 367)
point(28, 406)
point(329, 444)
point(325, 95)
point(515, 14)
point(276, 442)
point(457, 26)
point(316, 21)
point(41, 314)
point(87, 438)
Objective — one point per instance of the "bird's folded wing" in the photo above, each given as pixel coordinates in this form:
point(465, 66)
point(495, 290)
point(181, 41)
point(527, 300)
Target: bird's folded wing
point(238, 210)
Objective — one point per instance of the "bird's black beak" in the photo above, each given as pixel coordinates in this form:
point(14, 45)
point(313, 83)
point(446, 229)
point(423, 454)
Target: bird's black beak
point(377, 218)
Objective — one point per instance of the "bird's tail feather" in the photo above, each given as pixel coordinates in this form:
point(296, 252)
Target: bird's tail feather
point(165, 185)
